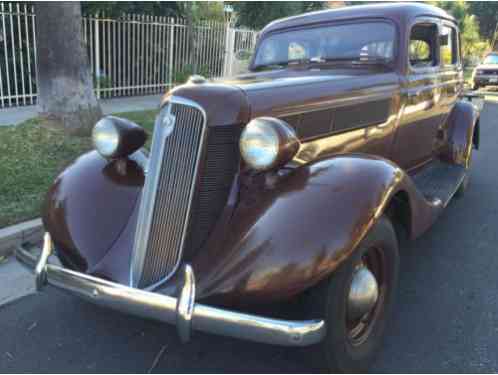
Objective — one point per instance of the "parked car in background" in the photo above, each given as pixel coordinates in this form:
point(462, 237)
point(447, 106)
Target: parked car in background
point(486, 73)
point(295, 181)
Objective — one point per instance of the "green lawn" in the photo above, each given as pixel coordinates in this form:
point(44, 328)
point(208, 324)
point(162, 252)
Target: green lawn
point(31, 156)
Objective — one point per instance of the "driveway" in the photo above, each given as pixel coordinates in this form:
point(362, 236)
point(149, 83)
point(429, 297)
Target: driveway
point(445, 320)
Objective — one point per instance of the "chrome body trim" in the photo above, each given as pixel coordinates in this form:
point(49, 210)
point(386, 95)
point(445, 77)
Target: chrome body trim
point(149, 192)
point(183, 311)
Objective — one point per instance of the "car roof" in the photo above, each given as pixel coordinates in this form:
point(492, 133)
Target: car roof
point(400, 13)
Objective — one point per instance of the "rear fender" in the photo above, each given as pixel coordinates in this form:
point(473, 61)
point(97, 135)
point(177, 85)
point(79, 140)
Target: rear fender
point(285, 238)
point(463, 133)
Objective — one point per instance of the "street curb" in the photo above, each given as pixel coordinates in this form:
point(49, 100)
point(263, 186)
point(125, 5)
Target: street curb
point(10, 237)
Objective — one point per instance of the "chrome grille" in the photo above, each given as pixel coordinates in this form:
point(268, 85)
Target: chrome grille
point(168, 191)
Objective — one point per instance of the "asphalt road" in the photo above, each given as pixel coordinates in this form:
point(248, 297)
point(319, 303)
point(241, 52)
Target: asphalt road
point(445, 320)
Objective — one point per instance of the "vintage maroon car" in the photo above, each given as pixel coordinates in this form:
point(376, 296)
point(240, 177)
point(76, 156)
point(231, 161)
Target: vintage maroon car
point(292, 182)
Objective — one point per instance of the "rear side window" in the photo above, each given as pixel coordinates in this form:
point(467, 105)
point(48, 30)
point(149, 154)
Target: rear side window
point(423, 44)
point(449, 47)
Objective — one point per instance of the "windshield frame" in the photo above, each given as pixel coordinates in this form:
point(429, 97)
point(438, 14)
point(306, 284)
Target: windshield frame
point(395, 56)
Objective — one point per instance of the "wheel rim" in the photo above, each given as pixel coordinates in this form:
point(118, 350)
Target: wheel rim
point(361, 318)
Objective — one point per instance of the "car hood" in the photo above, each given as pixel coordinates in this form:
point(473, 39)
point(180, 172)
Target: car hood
point(286, 78)
point(275, 93)
point(291, 91)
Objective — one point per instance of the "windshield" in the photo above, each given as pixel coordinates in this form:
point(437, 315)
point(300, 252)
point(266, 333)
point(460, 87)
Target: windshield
point(491, 59)
point(359, 41)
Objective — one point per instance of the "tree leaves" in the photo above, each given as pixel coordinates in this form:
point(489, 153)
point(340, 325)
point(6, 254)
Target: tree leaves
point(258, 14)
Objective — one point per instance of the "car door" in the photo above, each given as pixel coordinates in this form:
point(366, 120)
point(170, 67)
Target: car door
point(421, 96)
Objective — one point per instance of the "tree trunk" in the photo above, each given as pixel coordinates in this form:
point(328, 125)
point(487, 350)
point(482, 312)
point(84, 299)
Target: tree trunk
point(65, 88)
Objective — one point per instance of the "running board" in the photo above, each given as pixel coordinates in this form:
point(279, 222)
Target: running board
point(439, 180)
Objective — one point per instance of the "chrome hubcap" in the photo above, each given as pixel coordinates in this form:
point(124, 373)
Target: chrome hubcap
point(363, 293)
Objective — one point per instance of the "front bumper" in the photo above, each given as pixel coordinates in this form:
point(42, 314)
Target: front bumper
point(182, 311)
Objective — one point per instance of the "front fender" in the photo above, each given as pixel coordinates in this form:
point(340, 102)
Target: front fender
point(89, 205)
point(284, 239)
point(463, 133)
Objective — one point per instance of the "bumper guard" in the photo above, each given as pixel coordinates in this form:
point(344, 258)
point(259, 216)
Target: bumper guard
point(182, 311)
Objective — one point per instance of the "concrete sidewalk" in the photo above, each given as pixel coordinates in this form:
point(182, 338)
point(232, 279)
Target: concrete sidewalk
point(17, 115)
point(17, 282)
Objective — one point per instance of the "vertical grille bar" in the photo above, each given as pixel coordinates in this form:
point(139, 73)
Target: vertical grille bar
point(168, 193)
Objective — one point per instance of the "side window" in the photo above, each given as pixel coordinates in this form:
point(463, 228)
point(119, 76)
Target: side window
point(449, 47)
point(423, 44)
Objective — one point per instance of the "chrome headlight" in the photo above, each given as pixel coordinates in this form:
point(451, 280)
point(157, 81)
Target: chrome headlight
point(115, 137)
point(267, 142)
point(105, 137)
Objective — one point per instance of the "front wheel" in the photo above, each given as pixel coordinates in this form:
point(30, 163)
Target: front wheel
point(355, 302)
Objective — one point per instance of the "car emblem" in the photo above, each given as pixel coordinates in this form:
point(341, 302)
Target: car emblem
point(168, 124)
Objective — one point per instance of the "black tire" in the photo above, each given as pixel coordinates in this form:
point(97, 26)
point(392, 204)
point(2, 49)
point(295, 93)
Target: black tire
point(338, 352)
point(475, 87)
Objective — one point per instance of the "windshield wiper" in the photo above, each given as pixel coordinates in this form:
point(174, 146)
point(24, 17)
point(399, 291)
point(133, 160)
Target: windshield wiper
point(311, 60)
point(279, 65)
point(362, 60)
point(355, 60)
point(293, 62)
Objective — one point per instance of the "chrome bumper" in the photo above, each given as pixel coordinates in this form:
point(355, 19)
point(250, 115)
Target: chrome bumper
point(486, 77)
point(181, 311)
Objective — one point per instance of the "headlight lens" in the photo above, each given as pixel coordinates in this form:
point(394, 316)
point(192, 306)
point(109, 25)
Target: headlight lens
point(267, 142)
point(106, 137)
point(115, 137)
point(259, 145)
